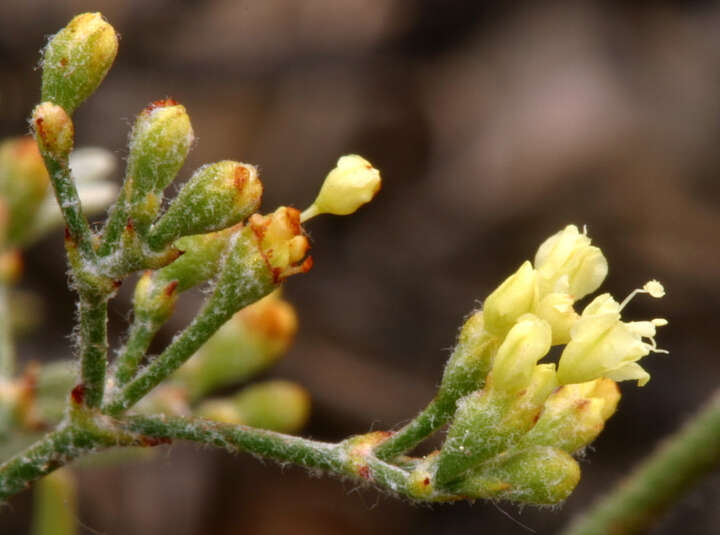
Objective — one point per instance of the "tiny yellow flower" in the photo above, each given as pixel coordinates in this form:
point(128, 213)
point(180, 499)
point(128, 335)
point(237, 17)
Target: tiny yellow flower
point(352, 183)
point(557, 309)
point(513, 298)
point(602, 345)
point(567, 263)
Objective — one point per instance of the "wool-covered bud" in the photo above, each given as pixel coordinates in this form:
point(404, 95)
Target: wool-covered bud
point(23, 184)
point(159, 144)
point(352, 183)
point(282, 242)
point(217, 196)
point(253, 339)
point(567, 263)
point(537, 475)
point(490, 421)
point(76, 59)
point(152, 303)
point(513, 298)
point(527, 342)
point(53, 130)
point(602, 345)
point(275, 405)
point(574, 415)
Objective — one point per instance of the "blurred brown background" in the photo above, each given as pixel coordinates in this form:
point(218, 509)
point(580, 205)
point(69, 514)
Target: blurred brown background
point(494, 125)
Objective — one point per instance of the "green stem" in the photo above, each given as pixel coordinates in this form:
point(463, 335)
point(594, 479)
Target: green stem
point(69, 202)
point(93, 349)
point(432, 417)
point(639, 501)
point(117, 219)
point(7, 348)
point(139, 338)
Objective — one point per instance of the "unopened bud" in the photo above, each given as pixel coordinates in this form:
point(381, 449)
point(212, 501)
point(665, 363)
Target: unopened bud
point(513, 298)
point(159, 144)
point(538, 475)
point(574, 415)
point(23, 185)
point(53, 129)
point(154, 302)
point(567, 263)
point(352, 183)
point(76, 60)
point(217, 196)
point(275, 405)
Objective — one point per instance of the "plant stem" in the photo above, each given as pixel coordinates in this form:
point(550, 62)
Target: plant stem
point(639, 501)
point(93, 348)
point(432, 417)
point(69, 202)
point(139, 338)
point(7, 349)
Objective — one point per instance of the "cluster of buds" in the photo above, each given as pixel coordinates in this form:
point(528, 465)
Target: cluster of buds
point(514, 434)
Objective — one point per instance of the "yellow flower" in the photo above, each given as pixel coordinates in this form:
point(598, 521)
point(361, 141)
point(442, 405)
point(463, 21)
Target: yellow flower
point(602, 345)
point(567, 263)
point(513, 298)
point(352, 183)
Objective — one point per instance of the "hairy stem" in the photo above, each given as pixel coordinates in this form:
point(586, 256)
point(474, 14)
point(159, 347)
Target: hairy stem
point(139, 338)
point(93, 349)
point(116, 221)
point(7, 349)
point(639, 501)
point(69, 202)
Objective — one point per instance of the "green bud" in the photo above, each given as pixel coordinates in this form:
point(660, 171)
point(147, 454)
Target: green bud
point(538, 475)
point(23, 185)
point(53, 130)
point(76, 60)
point(217, 196)
point(276, 405)
point(253, 339)
point(154, 302)
point(159, 144)
point(513, 298)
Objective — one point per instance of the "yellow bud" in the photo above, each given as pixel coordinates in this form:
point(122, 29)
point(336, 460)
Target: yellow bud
point(53, 129)
point(513, 298)
point(352, 183)
point(557, 309)
point(77, 59)
point(527, 342)
point(282, 242)
point(567, 263)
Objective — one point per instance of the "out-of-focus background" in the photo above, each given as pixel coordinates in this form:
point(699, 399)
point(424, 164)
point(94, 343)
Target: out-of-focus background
point(494, 125)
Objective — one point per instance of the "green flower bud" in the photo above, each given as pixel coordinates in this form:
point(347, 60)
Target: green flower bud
point(537, 475)
point(217, 196)
point(275, 405)
point(513, 298)
point(153, 303)
point(574, 415)
point(252, 340)
point(53, 130)
point(352, 183)
point(567, 263)
point(23, 185)
point(76, 60)
point(159, 144)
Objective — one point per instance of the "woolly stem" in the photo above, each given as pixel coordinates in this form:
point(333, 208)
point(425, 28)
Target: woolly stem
point(93, 349)
point(639, 501)
point(139, 338)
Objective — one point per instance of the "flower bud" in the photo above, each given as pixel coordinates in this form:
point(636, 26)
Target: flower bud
point(567, 263)
point(282, 242)
point(217, 196)
point(53, 130)
point(76, 60)
point(574, 415)
point(527, 342)
point(602, 345)
point(159, 144)
point(537, 475)
point(352, 183)
point(253, 339)
point(275, 405)
point(513, 298)
point(23, 185)
point(153, 303)
point(557, 309)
